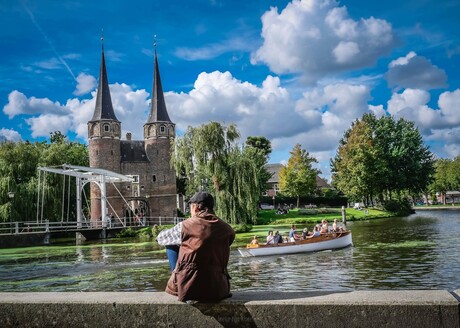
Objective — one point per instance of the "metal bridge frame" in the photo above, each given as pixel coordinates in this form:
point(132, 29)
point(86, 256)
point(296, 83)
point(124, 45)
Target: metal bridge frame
point(86, 175)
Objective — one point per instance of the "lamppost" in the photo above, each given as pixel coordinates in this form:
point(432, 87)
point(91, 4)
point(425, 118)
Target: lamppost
point(11, 197)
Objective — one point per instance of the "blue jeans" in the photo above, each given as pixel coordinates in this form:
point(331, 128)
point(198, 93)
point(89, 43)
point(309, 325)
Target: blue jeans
point(172, 251)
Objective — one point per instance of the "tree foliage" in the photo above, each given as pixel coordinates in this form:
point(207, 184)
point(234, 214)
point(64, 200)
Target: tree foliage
point(18, 174)
point(382, 158)
point(210, 158)
point(447, 176)
point(298, 177)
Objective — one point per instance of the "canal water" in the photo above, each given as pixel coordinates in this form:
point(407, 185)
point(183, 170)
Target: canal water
point(415, 252)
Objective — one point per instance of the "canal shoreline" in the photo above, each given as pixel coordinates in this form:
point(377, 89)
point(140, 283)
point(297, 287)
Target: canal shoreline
point(371, 308)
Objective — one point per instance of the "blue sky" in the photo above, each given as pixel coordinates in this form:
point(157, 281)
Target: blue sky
point(292, 71)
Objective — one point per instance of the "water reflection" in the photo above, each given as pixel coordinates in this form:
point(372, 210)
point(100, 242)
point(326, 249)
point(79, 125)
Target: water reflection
point(416, 252)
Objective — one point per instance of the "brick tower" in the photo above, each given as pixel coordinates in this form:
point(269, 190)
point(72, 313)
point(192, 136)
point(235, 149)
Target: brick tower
point(153, 193)
point(104, 133)
point(159, 132)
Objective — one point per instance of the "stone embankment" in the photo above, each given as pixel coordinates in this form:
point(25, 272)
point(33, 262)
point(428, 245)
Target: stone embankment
point(398, 308)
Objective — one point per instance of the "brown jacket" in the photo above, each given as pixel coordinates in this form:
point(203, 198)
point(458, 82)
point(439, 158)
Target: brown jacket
point(201, 270)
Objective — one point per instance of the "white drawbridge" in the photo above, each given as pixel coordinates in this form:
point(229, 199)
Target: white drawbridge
point(83, 176)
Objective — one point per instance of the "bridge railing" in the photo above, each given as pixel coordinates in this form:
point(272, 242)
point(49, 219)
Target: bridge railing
point(19, 227)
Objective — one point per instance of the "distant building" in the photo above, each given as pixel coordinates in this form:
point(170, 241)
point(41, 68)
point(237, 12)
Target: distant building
point(153, 193)
point(449, 197)
point(273, 182)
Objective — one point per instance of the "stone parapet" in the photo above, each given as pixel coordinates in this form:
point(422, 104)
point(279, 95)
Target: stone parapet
point(398, 308)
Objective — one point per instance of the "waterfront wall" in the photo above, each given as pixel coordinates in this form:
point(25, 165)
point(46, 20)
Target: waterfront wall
point(409, 308)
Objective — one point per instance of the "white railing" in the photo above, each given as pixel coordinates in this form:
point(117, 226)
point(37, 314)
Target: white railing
point(20, 227)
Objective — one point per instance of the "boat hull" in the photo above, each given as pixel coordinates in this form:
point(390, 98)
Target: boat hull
point(325, 242)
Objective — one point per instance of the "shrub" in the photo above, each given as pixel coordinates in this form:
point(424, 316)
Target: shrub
point(401, 207)
point(128, 232)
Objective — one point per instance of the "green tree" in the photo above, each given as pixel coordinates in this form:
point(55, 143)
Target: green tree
point(298, 177)
point(19, 174)
point(211, 159)
point(382, 158)
point(261, 143)
point(441, 181)
point(357, 164)
point(446, 177)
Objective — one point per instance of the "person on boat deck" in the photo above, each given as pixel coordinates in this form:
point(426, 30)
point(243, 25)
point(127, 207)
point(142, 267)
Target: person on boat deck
point(335, 228)
point(324, 226)
point(200, 273)
point(270, 238)
point(292, 235)
point(305, 233)
point(316, 233)
point(254, 241)
point(278, 238)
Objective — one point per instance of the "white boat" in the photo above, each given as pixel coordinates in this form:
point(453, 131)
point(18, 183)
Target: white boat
point(323, 242)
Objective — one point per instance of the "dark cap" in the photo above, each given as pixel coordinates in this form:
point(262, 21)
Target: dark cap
point(202, 198)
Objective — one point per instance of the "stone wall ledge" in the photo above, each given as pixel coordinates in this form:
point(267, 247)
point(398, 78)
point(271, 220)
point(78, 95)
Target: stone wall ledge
point(395, 308)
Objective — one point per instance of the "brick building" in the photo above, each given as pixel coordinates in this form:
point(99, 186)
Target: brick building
point(153, 193)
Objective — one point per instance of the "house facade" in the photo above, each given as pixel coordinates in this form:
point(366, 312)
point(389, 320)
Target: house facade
point(273, 183)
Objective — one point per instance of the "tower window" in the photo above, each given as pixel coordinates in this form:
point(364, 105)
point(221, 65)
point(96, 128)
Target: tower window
point(162, 129)
point(106, 128)
point(111, 152)
point(154, 178)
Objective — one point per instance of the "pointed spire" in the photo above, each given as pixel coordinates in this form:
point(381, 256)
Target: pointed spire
point(104, 108)
point(158, 111)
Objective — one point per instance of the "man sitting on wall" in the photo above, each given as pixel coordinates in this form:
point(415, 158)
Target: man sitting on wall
point(200, 273)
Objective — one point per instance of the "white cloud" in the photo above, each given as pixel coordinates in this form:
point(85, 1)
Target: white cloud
point(43, 125)
point(435, 124)
point(9, 135)
point(449, 104)
point(411, 104)
point(345, 51)
point(131, 108)
point(52, 63)
point(316, 38)
point(85, 84)
point(213, 50)
point(19, 104)
point(266, 110)
point(415, 72)
point(114, 56)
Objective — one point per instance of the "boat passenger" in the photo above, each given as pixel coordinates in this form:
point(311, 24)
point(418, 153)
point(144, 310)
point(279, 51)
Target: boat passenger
point(305, 233)
point(324, 226)
point(292, 235)
point(270, 238)
point(278, 238)
point(335, 227)
point(254, 241)
point(316, 233)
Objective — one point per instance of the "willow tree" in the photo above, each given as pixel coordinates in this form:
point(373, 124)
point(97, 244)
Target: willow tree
point(210, 158)
point(298, 177)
